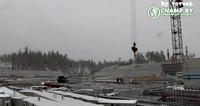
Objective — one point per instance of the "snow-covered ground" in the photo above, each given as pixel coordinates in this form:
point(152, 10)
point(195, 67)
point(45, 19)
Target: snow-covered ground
point(60, 98)
point(50, 99)
point(96, 99)
point(63, 101)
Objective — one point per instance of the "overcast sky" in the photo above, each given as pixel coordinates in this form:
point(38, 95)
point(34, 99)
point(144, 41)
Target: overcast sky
point(89, 29)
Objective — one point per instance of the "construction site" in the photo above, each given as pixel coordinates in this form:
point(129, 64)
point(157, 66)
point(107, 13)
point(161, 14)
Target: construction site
point(175, 82)
point(129, 85)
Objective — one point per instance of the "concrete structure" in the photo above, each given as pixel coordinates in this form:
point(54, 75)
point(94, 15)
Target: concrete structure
point(150, 71)
point(191, 74)
point(181, 96)
point(189, 93)
point(12, 97)
point(5, 100)
point(172, 68)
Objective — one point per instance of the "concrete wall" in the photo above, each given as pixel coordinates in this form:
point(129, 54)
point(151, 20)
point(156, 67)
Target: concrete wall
point(129, 72)
point(5, 101)
point(191, 74)
point(172, 68)
point(20, 102)
point(191, 77)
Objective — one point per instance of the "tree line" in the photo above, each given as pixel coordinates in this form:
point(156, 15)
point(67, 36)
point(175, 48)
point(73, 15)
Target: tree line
point(36, 60)
point(150, 56)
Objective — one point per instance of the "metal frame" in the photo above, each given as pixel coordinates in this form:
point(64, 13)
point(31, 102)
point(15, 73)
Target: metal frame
point(176, 31)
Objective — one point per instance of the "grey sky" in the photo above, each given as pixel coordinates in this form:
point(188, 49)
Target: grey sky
point(95, 29)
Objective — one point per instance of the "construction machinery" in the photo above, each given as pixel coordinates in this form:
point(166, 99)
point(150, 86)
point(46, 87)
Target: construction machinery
point(176, 32)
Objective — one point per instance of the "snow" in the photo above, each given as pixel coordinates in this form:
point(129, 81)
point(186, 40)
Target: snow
point(13, 87)
point(111, 94)
point(181, 88)
point(12, 93)
point(97, 99)
point(85, 97)
point(42, 102)
point(4, 95)
point(53, 99)
point(117, 101)
point(61, 100)
point(50, 99)
point(177, 87)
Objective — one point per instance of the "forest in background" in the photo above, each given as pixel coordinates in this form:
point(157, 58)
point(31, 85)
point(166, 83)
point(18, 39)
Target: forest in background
point(28, 59)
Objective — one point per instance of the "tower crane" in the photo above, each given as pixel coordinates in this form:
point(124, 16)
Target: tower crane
point(176, 33)
point(133, 26)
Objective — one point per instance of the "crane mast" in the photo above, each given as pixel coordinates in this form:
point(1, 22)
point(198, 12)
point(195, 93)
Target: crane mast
point(176, 32)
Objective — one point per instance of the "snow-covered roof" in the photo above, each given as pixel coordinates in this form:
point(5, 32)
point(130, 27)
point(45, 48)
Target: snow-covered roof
point(61, 100)
point(12, 93)
point(97, 99)
point(13, 87)
point(50, 99)
point(112, 101)
point(42, 102)
point(4, 95)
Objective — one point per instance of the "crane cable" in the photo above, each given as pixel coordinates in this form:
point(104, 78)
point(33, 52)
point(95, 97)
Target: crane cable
point(133, 26)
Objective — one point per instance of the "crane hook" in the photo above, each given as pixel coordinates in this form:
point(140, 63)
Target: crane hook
point(134, 49)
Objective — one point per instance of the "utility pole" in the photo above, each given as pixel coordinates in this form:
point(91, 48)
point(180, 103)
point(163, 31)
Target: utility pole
point(186, 52)
point(167, 54)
